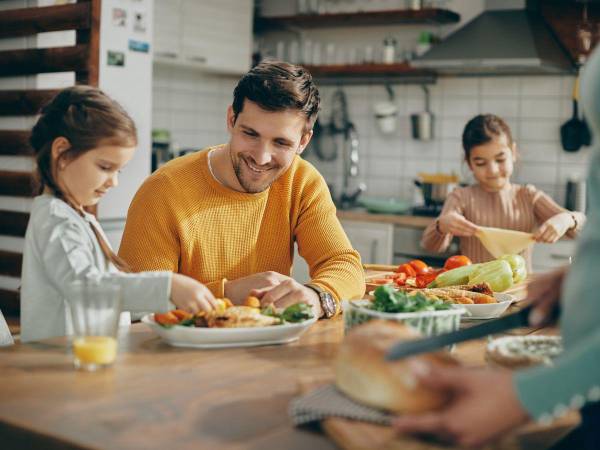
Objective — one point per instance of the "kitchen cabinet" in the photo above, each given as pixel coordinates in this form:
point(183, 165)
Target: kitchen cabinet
point(551, 256)
point(374, 241)
point(407, 246)
point(211, 35)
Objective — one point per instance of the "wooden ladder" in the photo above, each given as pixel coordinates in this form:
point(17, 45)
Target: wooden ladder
point(81, 58)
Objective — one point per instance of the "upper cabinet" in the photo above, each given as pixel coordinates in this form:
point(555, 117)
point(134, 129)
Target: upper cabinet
point(210, 35)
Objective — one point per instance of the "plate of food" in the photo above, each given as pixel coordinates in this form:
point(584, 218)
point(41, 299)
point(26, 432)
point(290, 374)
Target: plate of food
point(478, 300)
point(423, 312)
point(232, 326)
point(517, 352)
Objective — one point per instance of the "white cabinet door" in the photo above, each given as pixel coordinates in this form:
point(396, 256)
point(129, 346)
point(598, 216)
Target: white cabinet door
point(167, 29)
point(212, 35)
point(551, 256)
point(374, 241)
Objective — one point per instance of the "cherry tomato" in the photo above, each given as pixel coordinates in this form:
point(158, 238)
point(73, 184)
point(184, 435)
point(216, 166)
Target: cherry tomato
point(456, 261)
point(419, 266)
point(407, 269)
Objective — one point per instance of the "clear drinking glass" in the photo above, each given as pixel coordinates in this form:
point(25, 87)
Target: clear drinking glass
point(95, 310)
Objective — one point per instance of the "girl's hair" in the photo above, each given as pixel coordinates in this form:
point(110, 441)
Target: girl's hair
point(87, 118)
point(482, 129)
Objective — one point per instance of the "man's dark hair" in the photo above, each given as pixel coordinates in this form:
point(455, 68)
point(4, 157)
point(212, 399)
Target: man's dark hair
point(278, 86)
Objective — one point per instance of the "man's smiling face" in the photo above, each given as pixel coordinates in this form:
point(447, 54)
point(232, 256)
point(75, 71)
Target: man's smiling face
point(263, 144)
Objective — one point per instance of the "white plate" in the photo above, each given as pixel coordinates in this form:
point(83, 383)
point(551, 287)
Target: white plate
point(180, 336)
point(489, 310)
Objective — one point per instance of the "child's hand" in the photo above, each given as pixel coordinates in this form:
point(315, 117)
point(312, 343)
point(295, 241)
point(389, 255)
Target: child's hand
point(554, 228)
point(456, 224)
point(191, 295)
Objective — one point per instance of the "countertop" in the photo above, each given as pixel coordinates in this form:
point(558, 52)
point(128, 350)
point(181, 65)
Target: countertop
point(404, 220)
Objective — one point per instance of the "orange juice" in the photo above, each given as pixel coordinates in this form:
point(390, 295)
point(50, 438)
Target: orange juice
point(99, 350)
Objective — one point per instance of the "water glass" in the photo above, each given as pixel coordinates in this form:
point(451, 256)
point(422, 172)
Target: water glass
point(95, 310)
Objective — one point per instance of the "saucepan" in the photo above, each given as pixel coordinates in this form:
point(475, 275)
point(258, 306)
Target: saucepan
point(436, 187)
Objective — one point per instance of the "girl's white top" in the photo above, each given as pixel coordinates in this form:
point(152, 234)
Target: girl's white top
point(61, 247)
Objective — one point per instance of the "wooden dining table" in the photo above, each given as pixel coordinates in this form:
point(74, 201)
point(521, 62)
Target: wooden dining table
point(163, 397)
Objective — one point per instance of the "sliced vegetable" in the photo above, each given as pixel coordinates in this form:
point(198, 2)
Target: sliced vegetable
point(454, 277)
point(457, 261)
point(498, 274)
point(424, 279)
point(380, 280)
point(400, 280)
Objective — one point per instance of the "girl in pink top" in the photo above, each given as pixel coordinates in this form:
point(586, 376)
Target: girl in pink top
point(494, 201)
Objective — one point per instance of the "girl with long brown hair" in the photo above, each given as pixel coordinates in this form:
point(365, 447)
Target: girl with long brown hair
point(81, 141)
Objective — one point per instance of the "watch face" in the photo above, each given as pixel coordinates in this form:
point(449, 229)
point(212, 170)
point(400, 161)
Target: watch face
point(327, 304)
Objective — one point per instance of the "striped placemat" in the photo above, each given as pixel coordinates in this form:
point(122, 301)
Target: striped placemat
point(328, 401)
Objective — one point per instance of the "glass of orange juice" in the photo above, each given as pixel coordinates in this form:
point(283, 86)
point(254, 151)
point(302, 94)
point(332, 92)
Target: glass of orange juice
point(95, 310)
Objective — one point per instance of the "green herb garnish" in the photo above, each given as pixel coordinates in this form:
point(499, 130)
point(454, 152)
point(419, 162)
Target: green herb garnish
point(390, 301)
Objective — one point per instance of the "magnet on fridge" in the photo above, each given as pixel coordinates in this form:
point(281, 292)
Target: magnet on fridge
point(139, 21)
point(138, 46)
point(119, 17)
point(115, 58)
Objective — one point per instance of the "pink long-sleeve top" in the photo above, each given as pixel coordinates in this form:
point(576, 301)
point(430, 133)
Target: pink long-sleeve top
point(516, 207)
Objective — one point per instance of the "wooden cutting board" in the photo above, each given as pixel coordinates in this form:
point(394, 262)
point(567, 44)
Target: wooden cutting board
point(353, 435)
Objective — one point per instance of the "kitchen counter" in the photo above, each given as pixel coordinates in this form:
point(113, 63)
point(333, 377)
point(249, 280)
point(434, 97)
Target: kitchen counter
point(404, 220)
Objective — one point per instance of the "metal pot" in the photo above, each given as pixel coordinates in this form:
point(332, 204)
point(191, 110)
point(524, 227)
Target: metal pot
point(422, 122)
point(435, 193)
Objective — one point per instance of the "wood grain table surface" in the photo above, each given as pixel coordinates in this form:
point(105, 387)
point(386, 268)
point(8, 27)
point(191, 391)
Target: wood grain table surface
point(157, 396)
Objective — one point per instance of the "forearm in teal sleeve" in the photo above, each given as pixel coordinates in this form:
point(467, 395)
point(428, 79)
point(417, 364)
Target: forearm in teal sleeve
point(549, 392)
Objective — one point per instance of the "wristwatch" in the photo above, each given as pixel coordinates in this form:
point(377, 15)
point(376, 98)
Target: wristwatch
point(326, 299)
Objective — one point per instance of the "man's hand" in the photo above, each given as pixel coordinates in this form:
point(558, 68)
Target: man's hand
point(289, 292)
point(483, 405)
point(238, 290)
point(544, 292)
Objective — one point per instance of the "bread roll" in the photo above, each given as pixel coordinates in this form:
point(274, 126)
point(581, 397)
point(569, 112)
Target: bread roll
point(363, 374)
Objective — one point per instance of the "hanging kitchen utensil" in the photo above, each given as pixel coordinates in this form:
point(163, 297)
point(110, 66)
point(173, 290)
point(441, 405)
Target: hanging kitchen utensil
point(574, 131)
point(422, 123)
point(330, 136)
point(386, 113)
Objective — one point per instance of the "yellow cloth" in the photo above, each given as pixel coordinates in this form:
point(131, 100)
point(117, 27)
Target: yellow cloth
point(183, 220)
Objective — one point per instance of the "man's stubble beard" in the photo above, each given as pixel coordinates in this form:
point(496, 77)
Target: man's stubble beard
point(249, 187)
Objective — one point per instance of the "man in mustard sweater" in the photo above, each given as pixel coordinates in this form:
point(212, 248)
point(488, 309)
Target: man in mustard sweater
point(229, 215)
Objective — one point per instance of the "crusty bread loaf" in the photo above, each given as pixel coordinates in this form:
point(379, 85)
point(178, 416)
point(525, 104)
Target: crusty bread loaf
point(363, 374)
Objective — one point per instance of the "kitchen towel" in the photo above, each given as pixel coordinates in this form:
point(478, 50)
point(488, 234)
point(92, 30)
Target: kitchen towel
point(328, 401)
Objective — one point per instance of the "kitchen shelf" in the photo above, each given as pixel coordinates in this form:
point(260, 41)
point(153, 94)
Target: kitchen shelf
point(435, 16)
point(371, 73)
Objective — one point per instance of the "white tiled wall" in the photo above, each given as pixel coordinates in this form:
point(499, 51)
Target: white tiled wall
point(534, 107)
point(192, 105)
